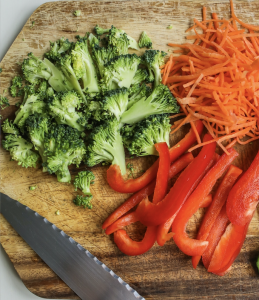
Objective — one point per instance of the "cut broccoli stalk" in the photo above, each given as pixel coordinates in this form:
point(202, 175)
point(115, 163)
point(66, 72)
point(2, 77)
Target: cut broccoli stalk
point(145, 41)
point(20, 150)
point(84, 67)
point(62, 107)
point(83, 180)
point(140, 138)
point(9, 127)
point(153, 59)
point(84, 201)
point(120, 71)
point(105, 146)
point(159, 102)
point(58, 48)
point(100, 31)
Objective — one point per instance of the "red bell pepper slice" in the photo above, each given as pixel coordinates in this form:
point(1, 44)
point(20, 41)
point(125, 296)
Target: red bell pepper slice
point(219, 200)
point(187, 245)
point(214, 236)
point(244, 196)
point(156, 214)
point(162, 173)
point(135, 199)
point(122, 222)
point(132, 248)
point(117, 183)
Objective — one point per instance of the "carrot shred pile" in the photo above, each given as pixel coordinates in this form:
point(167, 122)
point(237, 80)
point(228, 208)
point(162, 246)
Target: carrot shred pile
point(216, 80)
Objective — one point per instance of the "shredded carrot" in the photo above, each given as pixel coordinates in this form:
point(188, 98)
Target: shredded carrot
point(218, 80)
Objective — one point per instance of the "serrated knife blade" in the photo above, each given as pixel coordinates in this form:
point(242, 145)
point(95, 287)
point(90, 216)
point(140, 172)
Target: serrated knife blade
point(88, 277)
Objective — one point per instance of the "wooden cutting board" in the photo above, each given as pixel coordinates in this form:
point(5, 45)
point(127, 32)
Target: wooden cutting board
point(163, 272)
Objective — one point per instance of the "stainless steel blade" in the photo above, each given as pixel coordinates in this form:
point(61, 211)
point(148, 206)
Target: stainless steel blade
point(88, 277)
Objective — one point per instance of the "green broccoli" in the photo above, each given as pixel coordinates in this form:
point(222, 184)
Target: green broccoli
point(145, 41)
point(83, 180)
point(37, 126)
point(9, 127)
point(16, 83)
point(153, 59)
point(137, 92)
point(84, 201)
point(120, 71)
point(4, 102)
point(77, 13)
point(105, 145)
point(84, 67)
point(257, 263)
point(141, 137)
point(99, 31)
point(140, 76)
point(20, 150)
point(159, 102)
point(63, 146)
point(58, 48)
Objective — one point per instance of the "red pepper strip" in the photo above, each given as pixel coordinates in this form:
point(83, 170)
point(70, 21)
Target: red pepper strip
point(214, 236)
point(132, 248)
point(228, 248)
point(135, 199)
point(120, 185)
point(162, 173)
point(156, 214)
point(122, 222)
point(187, 245)
point(219, 200)
point(244, 196)
point(162, 231)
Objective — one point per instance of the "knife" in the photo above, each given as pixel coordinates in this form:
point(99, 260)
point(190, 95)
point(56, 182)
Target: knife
point(88, 277)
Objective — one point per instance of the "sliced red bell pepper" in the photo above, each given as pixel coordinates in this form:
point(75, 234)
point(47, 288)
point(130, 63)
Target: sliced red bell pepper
point(122, 222)
point(244, 196)
point(132, 248)
point(214, 236)
point(156, 214)
point(117, 183)
point(219, 200)
point(187, 245)
point(135, 199)
point(162, 173)
point(228, 249)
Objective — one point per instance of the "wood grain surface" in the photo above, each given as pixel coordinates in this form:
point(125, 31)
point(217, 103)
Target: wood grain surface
point(163, 272)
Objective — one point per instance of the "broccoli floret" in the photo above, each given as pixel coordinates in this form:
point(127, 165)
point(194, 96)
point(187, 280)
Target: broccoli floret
point(16, 83)
point(63, 147)
point(62, 107)
point(140, 138)
point(84, 67)
point(83, 180)
point(120, 71)
point(20, 150)
point(145, 41)
point(118, 39)
point(77, 13)
point(9, 127)
point(153, 59)
point(84, 201)
point(43, 87)
point(37, 126)
point(140, 76)
point(137, 92)
point(4, 102)
point(105, 145)
point(159, 102)
point(99, 31)
point(33, 104)
point(58, 48)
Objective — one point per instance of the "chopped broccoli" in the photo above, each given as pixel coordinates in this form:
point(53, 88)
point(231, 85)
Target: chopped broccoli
point(37, 126)
point(84, 67)
point(105, 145)
point(16, 83)
point(43, 87)
point(20, 150)
point(32, 24)
point(145, 41)
point(63, 147)
point(257, 263)
point(32, 188)
point(159, 102)
point(83, 180)
point(99, 31)
point(140, 138)
point(120, 71)
point(58, 48)
point(153, 59)
point(4, 102)
point(84, 201)
point(169, 27)
point(1, 70)
point(9, 127)
point(77, 13)
point(140, 76)
point(137, 92)
point(62, 107)
point(57, 212)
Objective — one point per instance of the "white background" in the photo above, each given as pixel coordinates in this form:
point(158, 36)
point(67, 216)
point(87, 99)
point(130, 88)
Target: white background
point(13, 15)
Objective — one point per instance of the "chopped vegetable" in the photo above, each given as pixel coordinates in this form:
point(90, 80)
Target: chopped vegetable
point(16, 83)
point(145, 41)
point(32, 188)
point(77, 13)
point(84, 201)
point(57, 212)
point(83, 180)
